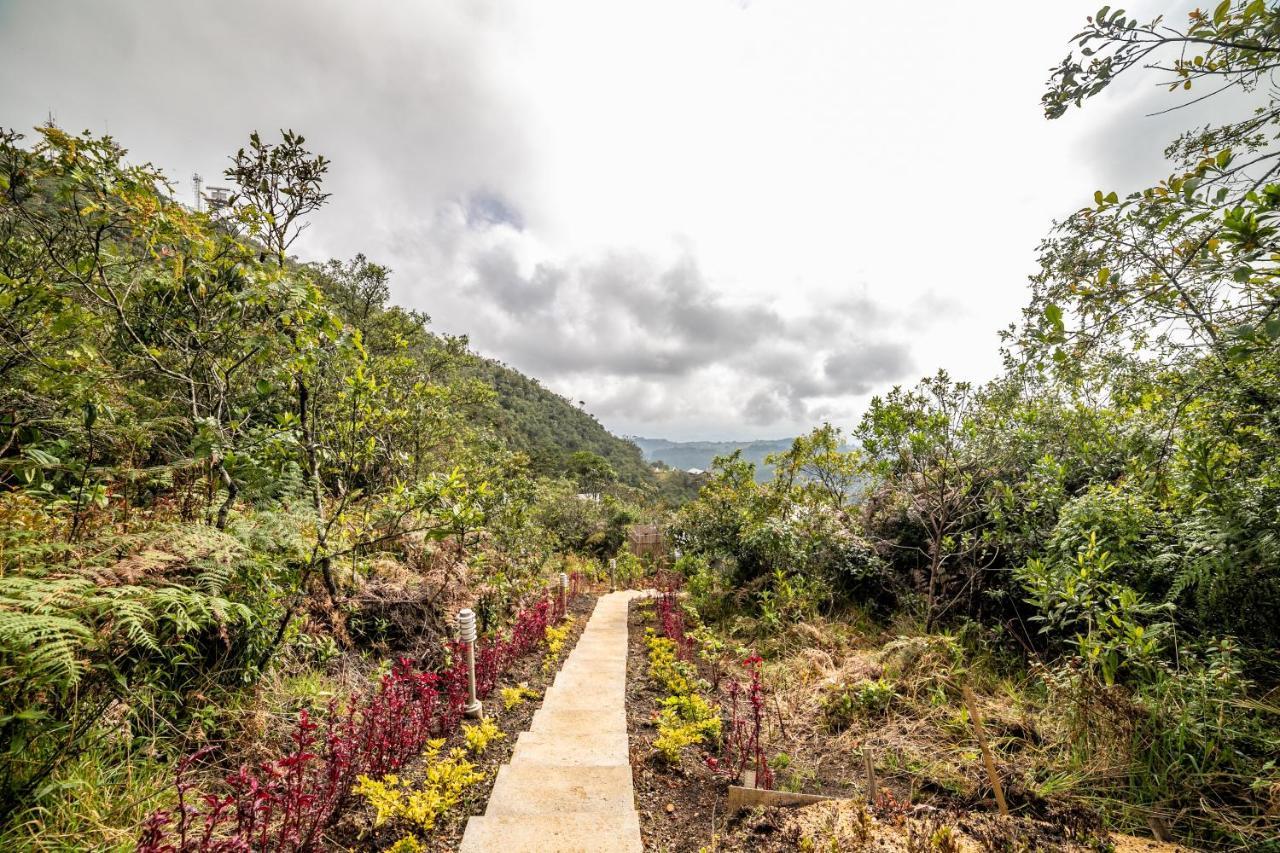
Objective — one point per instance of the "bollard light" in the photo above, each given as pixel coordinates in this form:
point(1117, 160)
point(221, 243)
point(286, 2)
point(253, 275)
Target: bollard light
point(564, 593)
point(467, 634)
point(613, 574)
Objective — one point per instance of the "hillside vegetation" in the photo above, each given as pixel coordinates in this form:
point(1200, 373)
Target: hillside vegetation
point(549, 429)
point(243, 497)
point(1090, 541)
point(231, 483)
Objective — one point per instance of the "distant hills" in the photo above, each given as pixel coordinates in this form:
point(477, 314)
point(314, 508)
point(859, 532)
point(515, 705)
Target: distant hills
point(699, 454)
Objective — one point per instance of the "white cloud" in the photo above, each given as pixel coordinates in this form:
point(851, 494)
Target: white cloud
point(704, 218)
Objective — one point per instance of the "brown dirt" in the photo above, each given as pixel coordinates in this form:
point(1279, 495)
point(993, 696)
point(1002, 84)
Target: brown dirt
point(355, 830)
point(683, 808)
point(680, 807)
point(841, 825)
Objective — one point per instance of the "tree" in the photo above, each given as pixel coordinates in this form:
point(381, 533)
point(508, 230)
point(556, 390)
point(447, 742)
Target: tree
point(591, 470)
point(819, 463)
point(280, 183)
point(1187, 268)
point(918, 440)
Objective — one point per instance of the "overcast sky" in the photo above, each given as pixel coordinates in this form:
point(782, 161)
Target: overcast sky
point(704, 218)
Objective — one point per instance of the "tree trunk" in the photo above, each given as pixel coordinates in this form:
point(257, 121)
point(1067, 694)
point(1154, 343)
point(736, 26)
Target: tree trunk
point(935, 571)
point(232, 491)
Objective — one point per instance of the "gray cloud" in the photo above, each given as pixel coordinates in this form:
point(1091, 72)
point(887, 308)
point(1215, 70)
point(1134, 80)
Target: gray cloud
point(634, 333)
point(675, 243)
point(860, 369)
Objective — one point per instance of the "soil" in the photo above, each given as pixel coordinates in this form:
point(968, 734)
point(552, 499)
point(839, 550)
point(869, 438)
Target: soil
point(355, 830)
point(680, 807)
point(683, 808)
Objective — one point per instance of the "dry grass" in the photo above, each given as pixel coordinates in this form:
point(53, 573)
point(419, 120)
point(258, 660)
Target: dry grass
point(923, 744)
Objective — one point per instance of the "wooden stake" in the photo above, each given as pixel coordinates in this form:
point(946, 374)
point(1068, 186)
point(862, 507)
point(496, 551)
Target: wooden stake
point(972, 705)
point(869, 765)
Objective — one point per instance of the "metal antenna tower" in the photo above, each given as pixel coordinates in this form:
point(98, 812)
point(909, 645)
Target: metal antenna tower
point(196, 182)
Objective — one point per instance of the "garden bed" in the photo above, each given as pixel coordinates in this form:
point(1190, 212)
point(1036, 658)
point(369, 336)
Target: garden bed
point(683, 806)
point(356, 829)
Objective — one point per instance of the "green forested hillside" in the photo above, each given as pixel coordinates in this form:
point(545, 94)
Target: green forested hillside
point(224, 471)
point(550, 428)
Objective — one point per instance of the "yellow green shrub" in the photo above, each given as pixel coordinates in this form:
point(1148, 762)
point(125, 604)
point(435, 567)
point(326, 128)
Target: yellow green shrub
point(665, 667)
point(556, 638)
point(481, 734)
point(686, 720)
point(513, 696)
point(441, 790)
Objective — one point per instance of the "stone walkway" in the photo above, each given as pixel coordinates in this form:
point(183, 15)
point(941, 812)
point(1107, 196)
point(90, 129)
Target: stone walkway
point(567, 788)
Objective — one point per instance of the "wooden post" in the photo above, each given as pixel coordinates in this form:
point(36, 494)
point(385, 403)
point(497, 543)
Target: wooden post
point(869, 765)
point(972, 705)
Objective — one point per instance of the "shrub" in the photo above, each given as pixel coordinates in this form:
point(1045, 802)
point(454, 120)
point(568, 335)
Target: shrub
point(421, 807)
point(556, 638)
point(674, 675)
point(513, 696)
point(480, 735)
point(865, 698)
point(285, 804)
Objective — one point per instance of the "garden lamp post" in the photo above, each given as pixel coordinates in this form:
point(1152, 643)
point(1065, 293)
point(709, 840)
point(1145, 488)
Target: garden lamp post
point(613, 574)
point(564, 594)
point(467, 634)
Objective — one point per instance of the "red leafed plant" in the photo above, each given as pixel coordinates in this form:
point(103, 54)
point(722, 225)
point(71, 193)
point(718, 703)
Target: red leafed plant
point(743, 748)
point(285, 805)
point(671, 614)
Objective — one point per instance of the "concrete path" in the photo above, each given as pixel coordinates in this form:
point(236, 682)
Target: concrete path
point(567, 788)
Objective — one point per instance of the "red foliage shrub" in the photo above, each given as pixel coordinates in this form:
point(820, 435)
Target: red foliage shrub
point(671, 614)
point(285, 804)
point(742, 745)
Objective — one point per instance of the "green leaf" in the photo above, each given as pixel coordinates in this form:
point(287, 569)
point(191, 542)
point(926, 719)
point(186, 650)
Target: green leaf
point(1220, 13)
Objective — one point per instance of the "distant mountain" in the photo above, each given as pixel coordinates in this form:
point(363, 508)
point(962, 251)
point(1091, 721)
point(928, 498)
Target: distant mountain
point(699, 454)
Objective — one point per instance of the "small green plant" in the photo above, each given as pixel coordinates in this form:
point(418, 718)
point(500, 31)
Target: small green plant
point(408, 844)
point(866, 698)
point(556, 638)
point(676, 676)
point(481, 734)
point(686, 718)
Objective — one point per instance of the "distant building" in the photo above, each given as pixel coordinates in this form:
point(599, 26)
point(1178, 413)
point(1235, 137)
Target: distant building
point(695, 471)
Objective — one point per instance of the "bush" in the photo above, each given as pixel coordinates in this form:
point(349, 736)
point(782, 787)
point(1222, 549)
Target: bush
point(866, 698)
point(685, 721)
point(422, 806)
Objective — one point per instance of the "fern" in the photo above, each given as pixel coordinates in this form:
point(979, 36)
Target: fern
point(40, 650)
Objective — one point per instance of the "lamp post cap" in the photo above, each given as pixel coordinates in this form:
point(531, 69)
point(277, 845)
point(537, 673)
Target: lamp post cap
point(467, 625)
